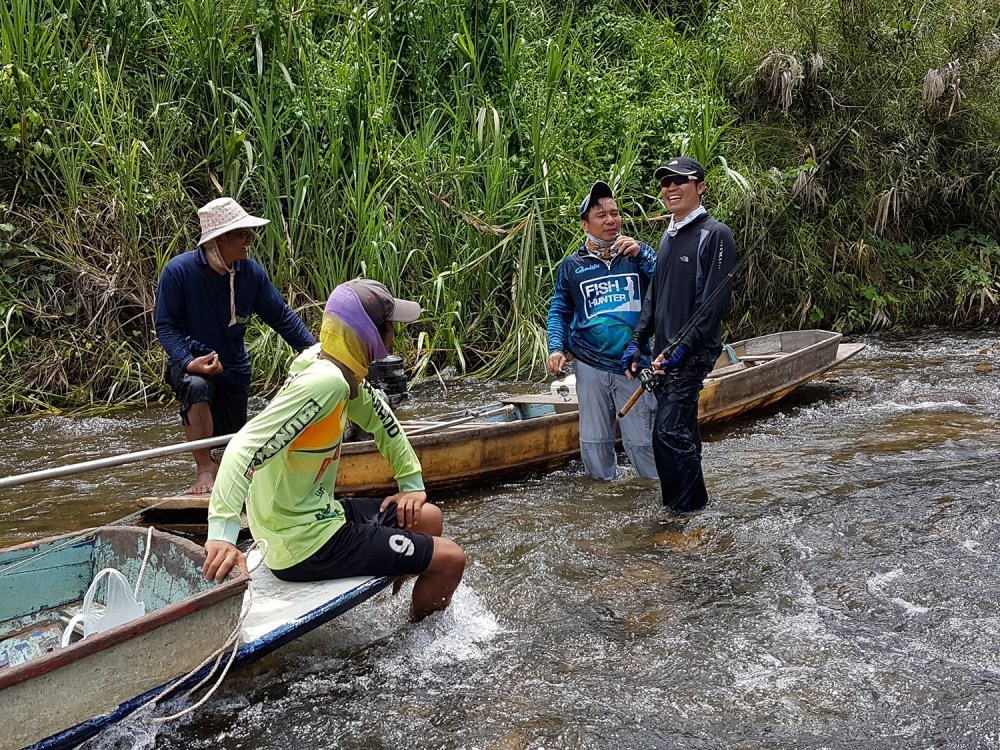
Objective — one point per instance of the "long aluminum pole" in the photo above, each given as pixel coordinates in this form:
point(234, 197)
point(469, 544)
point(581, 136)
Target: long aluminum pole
point(104, 463)
point(460, 420)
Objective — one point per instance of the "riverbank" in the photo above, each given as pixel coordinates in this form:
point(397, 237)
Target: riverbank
point(442, 147)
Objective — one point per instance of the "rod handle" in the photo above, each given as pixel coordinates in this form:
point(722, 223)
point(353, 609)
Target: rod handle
point(631, 402)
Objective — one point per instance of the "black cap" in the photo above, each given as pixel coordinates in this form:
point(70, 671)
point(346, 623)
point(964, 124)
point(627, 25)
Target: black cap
point(682, 165)
point(597, 191)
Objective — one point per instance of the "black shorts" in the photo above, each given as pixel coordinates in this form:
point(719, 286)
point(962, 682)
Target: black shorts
point(368, 544)
point(227, 402)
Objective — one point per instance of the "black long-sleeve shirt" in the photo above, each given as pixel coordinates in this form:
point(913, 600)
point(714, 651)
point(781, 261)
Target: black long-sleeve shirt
point(692, 281)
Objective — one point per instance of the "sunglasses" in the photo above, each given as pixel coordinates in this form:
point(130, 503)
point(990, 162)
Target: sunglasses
point(677, 179)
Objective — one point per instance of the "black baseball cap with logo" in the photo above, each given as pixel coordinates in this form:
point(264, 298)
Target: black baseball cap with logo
point(597, 191)
point(681, 165)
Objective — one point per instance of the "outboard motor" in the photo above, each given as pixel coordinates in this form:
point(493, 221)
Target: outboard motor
point(388, 378)
point(387, 375)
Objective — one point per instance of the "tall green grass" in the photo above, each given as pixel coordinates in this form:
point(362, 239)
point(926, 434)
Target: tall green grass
point(441, 147)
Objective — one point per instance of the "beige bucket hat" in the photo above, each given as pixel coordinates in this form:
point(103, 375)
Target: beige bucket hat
point(224, 215)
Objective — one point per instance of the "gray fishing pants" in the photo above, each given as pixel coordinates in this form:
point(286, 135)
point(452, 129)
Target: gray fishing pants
point(600, 395)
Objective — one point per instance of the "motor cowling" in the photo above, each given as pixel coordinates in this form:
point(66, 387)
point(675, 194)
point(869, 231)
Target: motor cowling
point(388, 376)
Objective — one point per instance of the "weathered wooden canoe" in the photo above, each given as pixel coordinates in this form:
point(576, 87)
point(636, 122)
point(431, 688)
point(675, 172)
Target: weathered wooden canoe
point(56, 697)
point(760, 371)
point(526, 434)
point(46, 688)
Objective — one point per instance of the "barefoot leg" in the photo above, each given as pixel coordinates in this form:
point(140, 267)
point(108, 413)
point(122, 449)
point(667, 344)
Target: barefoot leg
point(434, 587)
point(199, 427)
point(430, 522)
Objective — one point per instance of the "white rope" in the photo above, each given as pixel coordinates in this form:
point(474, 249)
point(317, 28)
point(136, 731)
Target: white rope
point(145, 559)
point(232, 645)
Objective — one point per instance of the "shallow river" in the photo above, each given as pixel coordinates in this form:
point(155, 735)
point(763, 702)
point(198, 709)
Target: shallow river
point(840, 591)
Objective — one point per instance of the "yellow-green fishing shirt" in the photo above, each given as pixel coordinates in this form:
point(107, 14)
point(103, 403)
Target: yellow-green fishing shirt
point(283, 463)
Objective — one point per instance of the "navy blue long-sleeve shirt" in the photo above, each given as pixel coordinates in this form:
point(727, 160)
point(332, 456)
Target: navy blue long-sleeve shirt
point(692, 288)
point(192, 313)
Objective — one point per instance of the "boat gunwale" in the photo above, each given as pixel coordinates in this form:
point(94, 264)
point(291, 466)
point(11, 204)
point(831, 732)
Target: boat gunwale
point(543, 422)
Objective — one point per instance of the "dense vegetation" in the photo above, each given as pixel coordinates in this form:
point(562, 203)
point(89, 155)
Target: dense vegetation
point(853, 146)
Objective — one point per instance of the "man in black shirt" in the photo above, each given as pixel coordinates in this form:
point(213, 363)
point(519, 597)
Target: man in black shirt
point(690, 294)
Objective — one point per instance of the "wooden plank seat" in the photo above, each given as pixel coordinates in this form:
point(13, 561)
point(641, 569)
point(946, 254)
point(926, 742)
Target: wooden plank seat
point(718, 372)
point(754, 358)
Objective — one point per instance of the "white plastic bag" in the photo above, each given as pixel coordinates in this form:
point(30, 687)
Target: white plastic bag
point(565, 388)
point(120, 606)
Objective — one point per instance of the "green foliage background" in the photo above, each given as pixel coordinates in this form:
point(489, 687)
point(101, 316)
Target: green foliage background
point(853, 146)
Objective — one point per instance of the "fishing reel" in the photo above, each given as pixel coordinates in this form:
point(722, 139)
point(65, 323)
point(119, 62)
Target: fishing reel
point(650, 381)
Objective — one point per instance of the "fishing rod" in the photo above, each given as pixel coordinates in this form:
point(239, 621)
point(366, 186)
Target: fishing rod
point(646, 375)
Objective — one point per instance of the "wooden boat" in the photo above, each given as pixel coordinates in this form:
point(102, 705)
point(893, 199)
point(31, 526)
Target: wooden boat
point(45, 687)
point(57, 696)
point(527, 434)
point(760, 371)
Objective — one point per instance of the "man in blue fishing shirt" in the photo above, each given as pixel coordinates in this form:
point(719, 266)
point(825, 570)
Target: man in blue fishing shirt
point(690, 294)
point(203, 304)
point(595, 306)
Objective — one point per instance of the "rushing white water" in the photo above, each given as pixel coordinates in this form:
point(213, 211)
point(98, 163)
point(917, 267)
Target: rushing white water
point(839, 591)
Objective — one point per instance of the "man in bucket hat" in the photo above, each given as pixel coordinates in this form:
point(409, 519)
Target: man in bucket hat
point(690, 294)
point(204, 301)
point(595, 305)
point(284, 463)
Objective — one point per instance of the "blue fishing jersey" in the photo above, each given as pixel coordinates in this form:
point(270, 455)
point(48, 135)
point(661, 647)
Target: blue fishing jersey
point(596, 305)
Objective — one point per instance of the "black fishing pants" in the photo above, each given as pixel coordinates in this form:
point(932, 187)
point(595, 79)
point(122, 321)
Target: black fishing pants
point(676, 439)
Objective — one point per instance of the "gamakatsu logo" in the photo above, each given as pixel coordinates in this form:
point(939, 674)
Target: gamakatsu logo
point(284, 436)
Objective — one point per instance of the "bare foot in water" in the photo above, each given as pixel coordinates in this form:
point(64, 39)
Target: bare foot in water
point(202, 483)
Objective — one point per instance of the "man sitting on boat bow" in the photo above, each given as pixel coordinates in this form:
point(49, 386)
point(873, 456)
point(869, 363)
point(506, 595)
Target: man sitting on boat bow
point(283, 465)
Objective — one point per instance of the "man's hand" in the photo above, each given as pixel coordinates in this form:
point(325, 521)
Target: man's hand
point(207, 364)
point(630, 359)
point(627, 246)
point(408, 505)
point(555, 362)
point(672, 361)
point(220, 558)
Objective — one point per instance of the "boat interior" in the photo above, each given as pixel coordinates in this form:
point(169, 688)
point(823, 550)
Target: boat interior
point(44, 589)
point(757, 351)
point(511, 409)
